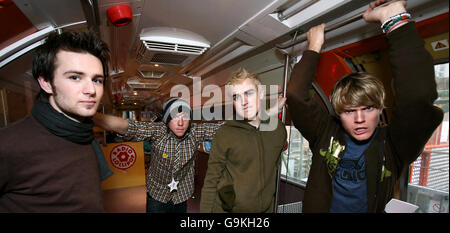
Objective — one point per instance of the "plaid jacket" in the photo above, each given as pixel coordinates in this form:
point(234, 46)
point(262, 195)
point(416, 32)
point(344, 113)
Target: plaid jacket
point(171, 156)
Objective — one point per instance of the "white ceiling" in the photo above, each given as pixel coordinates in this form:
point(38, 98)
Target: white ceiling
point(212, 19)
point(242, 33)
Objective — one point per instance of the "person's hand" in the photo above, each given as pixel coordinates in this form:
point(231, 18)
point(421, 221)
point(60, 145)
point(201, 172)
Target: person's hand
point(380, 14)
point(316, 37)
point(277, 108)
point(281, 103)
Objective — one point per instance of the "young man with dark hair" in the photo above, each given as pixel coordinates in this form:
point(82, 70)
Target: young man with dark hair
point(50, 160)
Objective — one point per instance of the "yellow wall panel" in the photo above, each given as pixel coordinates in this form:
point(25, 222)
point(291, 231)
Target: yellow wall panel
point(127, 162)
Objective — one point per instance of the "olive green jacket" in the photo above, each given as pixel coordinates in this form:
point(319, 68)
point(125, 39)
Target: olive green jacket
point(242, 169)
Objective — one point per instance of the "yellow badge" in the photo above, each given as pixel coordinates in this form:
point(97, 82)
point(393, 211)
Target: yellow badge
point(165, 156)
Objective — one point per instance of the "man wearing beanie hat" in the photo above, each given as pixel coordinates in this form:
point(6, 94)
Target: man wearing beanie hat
point(174, 141)
point(174, 106)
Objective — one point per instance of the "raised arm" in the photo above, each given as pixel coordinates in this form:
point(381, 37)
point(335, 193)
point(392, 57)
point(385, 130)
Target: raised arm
point(207, 131)
point(306, 113)
point(129, 130)
point(111, 123)
point(414, 116)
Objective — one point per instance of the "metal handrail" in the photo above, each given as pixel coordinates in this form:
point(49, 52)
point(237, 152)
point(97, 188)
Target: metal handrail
point(283, 119)
point(335, 26)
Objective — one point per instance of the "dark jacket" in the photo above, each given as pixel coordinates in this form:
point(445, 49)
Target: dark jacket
point(41, 172)
point(414, 119)
point(242, 168)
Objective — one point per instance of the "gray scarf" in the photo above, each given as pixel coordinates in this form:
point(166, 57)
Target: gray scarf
point(80, 133)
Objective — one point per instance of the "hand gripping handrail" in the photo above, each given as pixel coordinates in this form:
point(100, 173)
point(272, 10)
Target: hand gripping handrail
point(332, 27)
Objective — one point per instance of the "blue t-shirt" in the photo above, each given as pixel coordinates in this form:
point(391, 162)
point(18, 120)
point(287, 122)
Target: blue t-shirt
point(350, 183)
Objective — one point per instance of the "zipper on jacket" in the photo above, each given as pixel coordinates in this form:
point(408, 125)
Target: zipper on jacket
point(261, 164)
point(379, 167)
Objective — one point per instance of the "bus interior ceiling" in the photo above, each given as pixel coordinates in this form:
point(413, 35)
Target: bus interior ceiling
point(246, 33)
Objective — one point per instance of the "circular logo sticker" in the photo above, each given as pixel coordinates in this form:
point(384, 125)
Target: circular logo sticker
point(123, 156)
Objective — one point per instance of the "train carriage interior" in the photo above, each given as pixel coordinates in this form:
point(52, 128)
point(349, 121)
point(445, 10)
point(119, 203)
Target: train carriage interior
point(159, 45)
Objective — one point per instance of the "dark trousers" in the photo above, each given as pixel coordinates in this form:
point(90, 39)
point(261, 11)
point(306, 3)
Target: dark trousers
point(154, 206)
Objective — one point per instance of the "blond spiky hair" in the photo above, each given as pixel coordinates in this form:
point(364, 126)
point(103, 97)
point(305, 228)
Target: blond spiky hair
point(242, 74)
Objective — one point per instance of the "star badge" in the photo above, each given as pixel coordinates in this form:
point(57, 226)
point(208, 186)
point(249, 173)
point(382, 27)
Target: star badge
point(173, 185)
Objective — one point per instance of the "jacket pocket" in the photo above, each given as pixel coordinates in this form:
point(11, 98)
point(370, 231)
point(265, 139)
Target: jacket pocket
point(227, 197)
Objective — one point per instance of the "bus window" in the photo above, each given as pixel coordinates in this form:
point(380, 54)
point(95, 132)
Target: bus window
point(296, 160)
point(428, 175)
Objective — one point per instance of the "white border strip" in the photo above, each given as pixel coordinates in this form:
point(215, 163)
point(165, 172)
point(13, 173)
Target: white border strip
point(22, 46)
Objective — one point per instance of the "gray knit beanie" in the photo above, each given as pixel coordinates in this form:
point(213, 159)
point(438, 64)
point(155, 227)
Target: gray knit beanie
point(173, 106)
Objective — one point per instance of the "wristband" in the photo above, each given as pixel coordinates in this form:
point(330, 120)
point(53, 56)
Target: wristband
point(393, 20)
point(397, 24)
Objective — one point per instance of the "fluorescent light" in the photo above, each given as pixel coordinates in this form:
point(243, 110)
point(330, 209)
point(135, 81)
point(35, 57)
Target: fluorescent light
point(24, 45)
point(296, 8)
point(312, 11)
